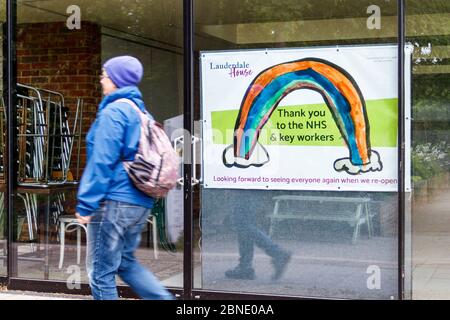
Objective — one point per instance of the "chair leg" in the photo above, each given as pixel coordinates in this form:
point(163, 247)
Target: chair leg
point(357, 223)
point(369, 221)
point(29, 221)
point(155, 238)
point(62, 229)
point(87, 241)
point(148, 233)
point(78, 245)
point(355, 233)
point(273, 220)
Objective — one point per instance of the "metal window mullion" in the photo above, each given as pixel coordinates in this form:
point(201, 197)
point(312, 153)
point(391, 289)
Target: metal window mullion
point(10, 71)
point(401, 147)
point(188, 38)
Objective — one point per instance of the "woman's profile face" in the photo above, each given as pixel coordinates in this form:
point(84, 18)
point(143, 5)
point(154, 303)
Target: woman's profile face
point(107, 85)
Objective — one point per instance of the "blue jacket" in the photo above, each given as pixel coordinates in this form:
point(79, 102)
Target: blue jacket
point(112, 138)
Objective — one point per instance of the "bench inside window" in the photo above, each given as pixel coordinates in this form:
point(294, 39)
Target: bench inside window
point(354, 211)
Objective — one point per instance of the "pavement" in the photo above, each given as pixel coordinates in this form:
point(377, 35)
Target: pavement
point(430, 248)
point(29, 295)
point(335, 261)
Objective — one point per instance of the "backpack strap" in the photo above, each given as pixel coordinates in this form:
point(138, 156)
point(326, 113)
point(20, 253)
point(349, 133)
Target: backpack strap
point(153, 122)
point(135, 107)
point(130, 102)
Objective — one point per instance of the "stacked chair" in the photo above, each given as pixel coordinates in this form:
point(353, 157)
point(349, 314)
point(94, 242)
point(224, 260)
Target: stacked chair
point(45, 146)
point(45, 139)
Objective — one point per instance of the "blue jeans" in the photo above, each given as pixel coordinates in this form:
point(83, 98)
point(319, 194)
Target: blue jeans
point(248, 235)
point(113, 235)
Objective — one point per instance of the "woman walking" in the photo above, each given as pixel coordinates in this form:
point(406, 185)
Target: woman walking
point(114, 209)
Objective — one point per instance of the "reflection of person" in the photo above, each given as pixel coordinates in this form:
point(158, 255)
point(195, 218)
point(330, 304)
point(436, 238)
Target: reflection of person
point(243, 219)
point(107, 199)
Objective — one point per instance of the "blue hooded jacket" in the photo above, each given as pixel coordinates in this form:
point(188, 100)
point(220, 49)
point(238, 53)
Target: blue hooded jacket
point(112, 138)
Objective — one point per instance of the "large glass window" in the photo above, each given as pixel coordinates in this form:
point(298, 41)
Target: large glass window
point(61, 46)
point(260, 227)
point(427, 31)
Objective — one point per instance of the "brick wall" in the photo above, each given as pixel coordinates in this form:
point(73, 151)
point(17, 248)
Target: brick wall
point(50, 56)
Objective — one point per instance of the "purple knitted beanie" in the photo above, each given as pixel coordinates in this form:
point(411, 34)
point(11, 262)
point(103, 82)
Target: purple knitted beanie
point(124, 71)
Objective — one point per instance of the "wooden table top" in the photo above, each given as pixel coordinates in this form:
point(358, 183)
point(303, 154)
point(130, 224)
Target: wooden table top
point(42, 189)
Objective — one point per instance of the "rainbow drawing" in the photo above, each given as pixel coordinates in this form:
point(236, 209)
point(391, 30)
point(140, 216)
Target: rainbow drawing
point(341, 94)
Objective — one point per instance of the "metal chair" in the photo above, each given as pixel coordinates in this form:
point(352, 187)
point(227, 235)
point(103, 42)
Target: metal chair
point(45, 139)
point(68, 223)
point(152, 220)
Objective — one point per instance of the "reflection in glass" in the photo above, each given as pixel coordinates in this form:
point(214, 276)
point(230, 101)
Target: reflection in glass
point(427, 30)
point(323, 243)
point(61, 46)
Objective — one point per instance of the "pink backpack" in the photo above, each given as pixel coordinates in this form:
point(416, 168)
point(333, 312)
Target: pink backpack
point(154, 169)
